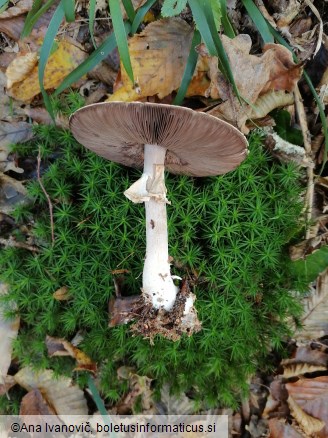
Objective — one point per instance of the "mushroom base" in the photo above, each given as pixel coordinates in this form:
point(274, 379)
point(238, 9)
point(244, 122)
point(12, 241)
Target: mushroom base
point(150, 322)
point(170, 324)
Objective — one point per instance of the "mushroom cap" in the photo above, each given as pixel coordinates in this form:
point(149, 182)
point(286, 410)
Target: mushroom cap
point(197, 144)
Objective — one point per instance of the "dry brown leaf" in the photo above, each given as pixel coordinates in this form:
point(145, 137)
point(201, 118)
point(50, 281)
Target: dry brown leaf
point(62, 294)
point(309, 424)
point(254, 76)
point(60, 393)
point(12, 27)
point(280, 429)
point(308, 389)
point(298, 369)
point(33, 403)
point(21, 7)
point(268, 102)
point(9, 382)
point(312, 395)
point(287, 11)
point(64, 60)
point(315, 324)
point(176, 404)
point(306, 247)
point(41, 115)
point(8, 332)
point(158, 57)
point(20, 67)
point(12, 191)
point(16, 132)
point(139, 388)
point(61, 347)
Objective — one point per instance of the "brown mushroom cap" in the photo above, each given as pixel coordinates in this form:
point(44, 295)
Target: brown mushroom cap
point(197, 144)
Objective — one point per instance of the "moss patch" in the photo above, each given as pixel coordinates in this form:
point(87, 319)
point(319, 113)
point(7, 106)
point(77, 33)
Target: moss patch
point(227, 236)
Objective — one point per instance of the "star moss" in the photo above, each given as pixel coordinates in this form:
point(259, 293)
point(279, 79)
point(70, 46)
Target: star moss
point(227, 234)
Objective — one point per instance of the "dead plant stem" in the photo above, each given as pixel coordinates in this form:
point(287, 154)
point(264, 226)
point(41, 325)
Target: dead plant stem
point(308, 206)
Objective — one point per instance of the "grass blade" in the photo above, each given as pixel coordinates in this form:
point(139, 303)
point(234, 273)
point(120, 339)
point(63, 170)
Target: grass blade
point(69, 9)
point(142, 11)
point(45, 51)
point(227, 26)
point(121, 36)
point(95, 58)
point(189, 70)
point(128, 6)
point(259, 21)
point(197, 10)
point(35, 13)
point(224, 63)
point(92, 14)
point(3, 5)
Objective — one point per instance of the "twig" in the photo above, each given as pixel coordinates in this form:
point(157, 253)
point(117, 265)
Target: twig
point(47, 196)
point(11, 243)
point(308, 151)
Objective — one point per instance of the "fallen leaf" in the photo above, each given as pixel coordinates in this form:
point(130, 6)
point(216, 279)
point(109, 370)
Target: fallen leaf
point(20, 7)
point(158, 57)
point(15, 132)
point(298, 369)
point(308, 389)
point(12, 192)
point(174, 404)
point(314, 321)
point(20, 68)
point(65, 397)
point(312, 396)
point(254, 76)
point(12, 133)
point(62, 294)
point(12, 27)
point(8, 333)
point(286, 12)
point(41, 115)
point(139, 388)
point(122, 310)
point(280, 429)
point(33, 403)
point(64, 60)
point(8, 383)
point(61, 347)
point(308, 423)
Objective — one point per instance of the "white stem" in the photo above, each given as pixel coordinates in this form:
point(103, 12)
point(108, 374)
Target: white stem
point(158, 285)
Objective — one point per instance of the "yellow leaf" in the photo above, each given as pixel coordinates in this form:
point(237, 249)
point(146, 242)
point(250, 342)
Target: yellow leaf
point(158, 57)
point(64, 60)
point(20, 67)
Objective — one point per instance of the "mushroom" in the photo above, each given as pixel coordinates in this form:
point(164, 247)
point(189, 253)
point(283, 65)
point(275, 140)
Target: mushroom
point(158, 137)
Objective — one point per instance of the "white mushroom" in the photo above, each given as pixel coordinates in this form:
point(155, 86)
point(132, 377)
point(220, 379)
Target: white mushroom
point(158, 137)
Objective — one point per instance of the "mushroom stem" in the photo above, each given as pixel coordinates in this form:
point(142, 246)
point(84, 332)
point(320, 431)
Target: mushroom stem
point(158, 284)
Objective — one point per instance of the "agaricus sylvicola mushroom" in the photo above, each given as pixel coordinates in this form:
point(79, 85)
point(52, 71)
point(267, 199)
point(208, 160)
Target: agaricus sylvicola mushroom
point(158, 137)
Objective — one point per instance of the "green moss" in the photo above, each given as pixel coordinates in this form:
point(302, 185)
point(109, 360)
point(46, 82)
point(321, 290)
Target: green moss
point(227, 234)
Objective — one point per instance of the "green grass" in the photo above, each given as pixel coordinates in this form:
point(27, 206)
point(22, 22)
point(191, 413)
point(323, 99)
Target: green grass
point(231, 231)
